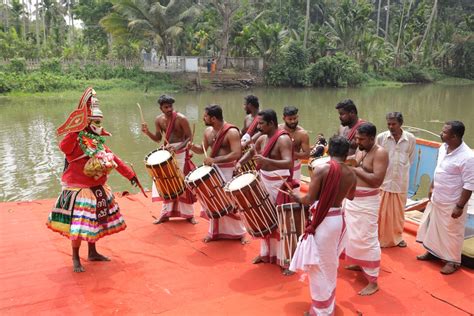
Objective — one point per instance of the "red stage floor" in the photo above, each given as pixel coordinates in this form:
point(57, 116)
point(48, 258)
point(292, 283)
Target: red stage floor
point(166, 269)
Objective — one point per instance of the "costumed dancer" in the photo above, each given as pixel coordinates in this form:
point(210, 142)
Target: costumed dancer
point(318, 249)
point(177, 134)
point(86, 209)
point(224, 140)
point(273, 155)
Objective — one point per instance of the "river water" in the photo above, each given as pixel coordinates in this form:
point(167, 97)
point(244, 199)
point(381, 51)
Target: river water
point(31, 163)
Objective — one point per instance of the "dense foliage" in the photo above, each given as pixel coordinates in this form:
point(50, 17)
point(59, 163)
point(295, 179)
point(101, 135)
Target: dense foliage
point(311, 42)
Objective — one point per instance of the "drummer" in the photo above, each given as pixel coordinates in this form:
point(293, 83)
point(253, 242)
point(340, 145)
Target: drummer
point(251, 107)
point(224, 140)
point(299, 136)
point(177, 134)
point(273, 155)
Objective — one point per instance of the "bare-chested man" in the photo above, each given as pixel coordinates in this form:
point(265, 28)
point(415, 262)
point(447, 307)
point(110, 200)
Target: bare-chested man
point(350, 121)
point(361, 214)
point(251, 107)
point(177, 134)
point(224, 140)
point(299, 137)
point(272, 153)
point(318, 252)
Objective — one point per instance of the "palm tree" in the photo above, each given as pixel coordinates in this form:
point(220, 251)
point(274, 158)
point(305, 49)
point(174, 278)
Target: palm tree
point(148, 19)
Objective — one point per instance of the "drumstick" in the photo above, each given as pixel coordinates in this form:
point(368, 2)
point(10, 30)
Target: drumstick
point(284, 181)
point(284, 192)
point(204, 149)
point(194, 129)
point(141, 113)
point(165, 141)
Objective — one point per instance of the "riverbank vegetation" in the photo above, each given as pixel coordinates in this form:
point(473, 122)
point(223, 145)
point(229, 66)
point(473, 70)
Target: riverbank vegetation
point(303, 43)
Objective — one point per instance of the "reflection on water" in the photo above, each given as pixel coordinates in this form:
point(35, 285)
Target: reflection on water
point(31, 163)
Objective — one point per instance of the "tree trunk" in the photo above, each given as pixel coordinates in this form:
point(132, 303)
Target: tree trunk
point(427, 29)
point(306, 24)
point(402, 27)
point(37, 31)
point(226, 9)
point(387, 20)
point(378, 18)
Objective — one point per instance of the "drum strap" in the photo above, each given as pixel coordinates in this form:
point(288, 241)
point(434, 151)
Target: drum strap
point(101, 206)
point(353, 130)
point(220, 138)
point(170, 127)
point(326, 199)
point(253, 126)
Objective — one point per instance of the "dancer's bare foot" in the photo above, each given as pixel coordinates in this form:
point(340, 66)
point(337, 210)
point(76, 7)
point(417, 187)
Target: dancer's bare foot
point(191, 220)
point(77, 266)
point(402, 244)
point(353, 267)
point(161, 220)
point(207, 239)
point(244, 240)
point(257, 260)
point(97, 257)
point(370, 289)
point(287, 272)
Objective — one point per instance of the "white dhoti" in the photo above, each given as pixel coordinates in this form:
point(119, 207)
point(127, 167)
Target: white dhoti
point(297, 174)
point(182, 206)
point(229, 226)
point(361, 217)
point(270, 250)
point(317, 255)
point(440, 234)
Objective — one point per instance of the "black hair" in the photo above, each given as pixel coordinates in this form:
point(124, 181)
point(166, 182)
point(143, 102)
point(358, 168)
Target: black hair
point(253, 100)
point(165, 99)
point(339, 146)
point(395, 115)
point(268, 116)
point(368, 129)
point(347, 106)
point(290, 110)
point(457, 128)
point(215, 110)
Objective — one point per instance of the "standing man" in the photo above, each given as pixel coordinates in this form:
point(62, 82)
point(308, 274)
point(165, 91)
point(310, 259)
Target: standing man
point(272, 153)
point(400, 146)
point(251, 107)
point(299, 137)
point(442, 229)
point(177, 134)
point(350, 121)
point(86, 210)
point(361, 214)
point(224, 140)
point(318, 252)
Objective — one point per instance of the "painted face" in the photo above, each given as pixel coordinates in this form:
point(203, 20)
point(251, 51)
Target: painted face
point(96, 126)
point(364, 142)
point(207, 119)
point(166, 108)
point(345, 117)
point(446, 134)
point(394, 126)
point(291, 121)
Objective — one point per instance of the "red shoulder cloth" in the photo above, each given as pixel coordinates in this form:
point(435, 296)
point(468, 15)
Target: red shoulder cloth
point(326, 199)
point(253, 126)
point(353, 130)
point(220, 138)
point(170, 127)
point(272, 141)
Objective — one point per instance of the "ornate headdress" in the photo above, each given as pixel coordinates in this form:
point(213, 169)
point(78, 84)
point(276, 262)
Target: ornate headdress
point(88, 108)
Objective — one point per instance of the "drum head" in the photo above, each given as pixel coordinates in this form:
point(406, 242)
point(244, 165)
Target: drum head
point(199, 173)
point(241, 181)
point(157, 157)
point(319, 161)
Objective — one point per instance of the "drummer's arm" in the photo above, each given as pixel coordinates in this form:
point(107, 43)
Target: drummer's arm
point(250, 153)
point(314, 187)
point(198, 149)
point(158, 134)
point(305, 149)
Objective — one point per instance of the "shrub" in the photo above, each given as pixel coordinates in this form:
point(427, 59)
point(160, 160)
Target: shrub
point(335, 71)
point(52, 65)
point(411, 73)
point(17, 65)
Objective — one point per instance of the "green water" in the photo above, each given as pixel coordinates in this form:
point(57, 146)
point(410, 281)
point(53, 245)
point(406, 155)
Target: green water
point(31, 163)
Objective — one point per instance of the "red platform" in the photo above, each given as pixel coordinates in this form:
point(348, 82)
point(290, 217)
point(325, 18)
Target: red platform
point(166, 269)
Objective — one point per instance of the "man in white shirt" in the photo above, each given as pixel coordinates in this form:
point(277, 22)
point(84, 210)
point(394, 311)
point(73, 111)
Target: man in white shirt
point(400, 146)
point(442, 229)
